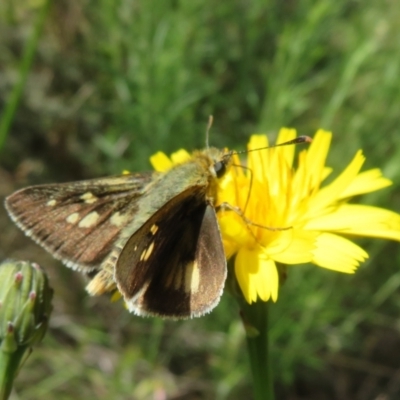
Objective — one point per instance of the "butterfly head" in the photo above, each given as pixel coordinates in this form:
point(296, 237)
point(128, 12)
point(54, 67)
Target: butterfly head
point(218, 161)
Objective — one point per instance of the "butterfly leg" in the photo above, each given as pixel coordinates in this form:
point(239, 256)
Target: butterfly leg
point(237, 210)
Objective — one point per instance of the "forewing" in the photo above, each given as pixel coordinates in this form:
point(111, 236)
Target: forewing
point(78, 222)
point(174, 265)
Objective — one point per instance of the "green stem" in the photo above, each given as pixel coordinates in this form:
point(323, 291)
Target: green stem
point(26, 62)
point(255, 318)
point(9, 364)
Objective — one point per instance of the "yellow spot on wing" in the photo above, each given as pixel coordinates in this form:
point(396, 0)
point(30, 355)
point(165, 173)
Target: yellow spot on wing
point(89, 198)
point(154, 229)
point(51, 203)
point(73, 218)
point(147, 252)
point(192, 277)
point(89, 220)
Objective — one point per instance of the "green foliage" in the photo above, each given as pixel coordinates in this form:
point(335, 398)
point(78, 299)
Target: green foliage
point(115, 81)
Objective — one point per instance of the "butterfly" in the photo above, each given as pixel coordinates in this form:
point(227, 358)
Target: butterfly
point(153, 236)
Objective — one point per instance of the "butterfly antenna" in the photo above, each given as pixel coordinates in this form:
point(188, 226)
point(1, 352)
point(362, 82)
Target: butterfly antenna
point(209, 125)
point(298, 140)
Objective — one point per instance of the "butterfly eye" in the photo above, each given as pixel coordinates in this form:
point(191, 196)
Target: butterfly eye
point(220, 168)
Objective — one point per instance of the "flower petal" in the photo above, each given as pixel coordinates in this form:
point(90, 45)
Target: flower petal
point(316, 156)
point(161, 162)
point(366, 182)
point(337, 253)
point(258, 157)
point(359, 220)
point(257, 275)
point(180, 156)
point(257, 141)
point(332, 192)
point(299, 250)
point(233, 228)
point(311, 171)
point(267, 281)
point(285, 135)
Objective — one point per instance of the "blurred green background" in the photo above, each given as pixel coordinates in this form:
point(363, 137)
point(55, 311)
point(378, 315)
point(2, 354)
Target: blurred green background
point(113, 81)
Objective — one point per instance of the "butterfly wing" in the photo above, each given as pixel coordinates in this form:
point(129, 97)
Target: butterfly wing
point(78, 222)
point(174, 265)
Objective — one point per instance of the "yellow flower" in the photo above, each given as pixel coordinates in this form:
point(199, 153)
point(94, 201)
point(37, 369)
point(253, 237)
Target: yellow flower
point(301, 221)
point(287, 217)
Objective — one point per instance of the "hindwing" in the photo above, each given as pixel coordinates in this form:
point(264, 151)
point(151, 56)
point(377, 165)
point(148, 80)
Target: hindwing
point(174, 265)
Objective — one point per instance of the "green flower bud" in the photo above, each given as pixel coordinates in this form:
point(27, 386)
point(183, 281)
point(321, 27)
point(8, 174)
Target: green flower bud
point(25, 307)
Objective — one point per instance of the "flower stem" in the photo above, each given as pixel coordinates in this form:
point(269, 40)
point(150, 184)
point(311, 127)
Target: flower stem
point(9, 364)
point(255, 319)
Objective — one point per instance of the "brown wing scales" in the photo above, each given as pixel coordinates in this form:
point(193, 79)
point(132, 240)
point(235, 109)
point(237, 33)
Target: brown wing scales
point(78, 222)
point(174, 265)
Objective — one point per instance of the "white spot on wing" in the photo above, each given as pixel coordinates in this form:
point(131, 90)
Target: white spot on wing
point(147, 252)
point(51, 203)
point(73, 218)
point(192, 277)
point(117, 219)
point(89, 220)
